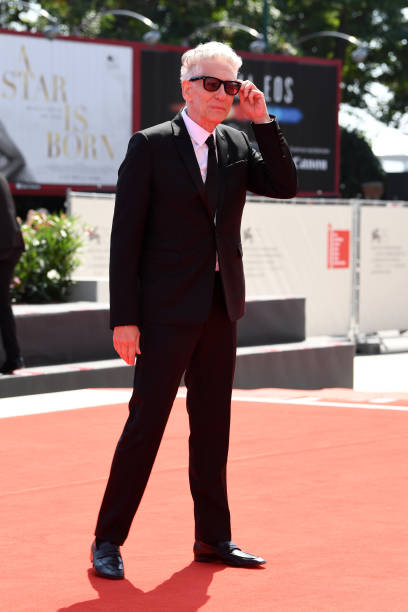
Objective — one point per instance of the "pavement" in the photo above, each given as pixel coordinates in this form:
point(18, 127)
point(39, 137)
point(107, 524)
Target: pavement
point(381, 373)
point(386, 372)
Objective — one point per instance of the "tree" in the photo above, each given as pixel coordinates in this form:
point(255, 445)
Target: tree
point(384, 30)
point(358, 164)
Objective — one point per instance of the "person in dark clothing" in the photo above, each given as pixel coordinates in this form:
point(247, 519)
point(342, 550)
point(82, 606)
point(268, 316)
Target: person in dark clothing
point(177, 291)
point(11, 248)
point(12, 161)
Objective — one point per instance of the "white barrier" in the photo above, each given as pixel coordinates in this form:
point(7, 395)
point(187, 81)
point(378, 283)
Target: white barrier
point(348, 258)
point(293, 249)
point(383, 268)
point(94, 211)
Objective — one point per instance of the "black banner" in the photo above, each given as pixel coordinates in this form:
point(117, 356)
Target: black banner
point(300, 92)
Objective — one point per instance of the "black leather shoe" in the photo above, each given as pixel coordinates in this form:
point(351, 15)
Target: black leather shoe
point(107, 560)
point(10, 365)
point(227, 552)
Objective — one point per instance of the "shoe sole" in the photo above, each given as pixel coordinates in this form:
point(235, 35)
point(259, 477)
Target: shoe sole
point(101, 575)
point(203, 558)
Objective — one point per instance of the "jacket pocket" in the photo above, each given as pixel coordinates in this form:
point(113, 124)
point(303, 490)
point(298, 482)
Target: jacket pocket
point(237, 164)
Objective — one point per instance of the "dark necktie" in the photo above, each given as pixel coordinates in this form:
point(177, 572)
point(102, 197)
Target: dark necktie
point(211, 184)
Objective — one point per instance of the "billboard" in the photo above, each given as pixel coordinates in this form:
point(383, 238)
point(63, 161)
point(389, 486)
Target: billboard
point(69, 106)
point(302, 92)
point(65, 111)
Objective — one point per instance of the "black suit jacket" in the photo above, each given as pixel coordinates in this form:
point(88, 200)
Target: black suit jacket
point(164, 239)
point(10, 234)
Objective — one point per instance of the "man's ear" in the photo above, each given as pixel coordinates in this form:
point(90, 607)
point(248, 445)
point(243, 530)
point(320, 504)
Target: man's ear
point(185, 90)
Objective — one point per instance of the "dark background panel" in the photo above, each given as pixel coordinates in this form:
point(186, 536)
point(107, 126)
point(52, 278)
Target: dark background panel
point(396, 186)
point(160, 86)
point(304, 97)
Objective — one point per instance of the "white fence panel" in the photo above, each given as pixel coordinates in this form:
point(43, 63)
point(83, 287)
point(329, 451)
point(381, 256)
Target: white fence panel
point(383, 296)
point(293, 249)
point(349, 262)
point(94, 211)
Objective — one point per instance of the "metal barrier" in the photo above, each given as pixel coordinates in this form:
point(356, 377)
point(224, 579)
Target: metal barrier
point(348, 258)
point(351, 255)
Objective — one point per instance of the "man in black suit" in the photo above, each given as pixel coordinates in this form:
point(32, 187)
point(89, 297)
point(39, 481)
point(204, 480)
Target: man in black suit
point(177, 291)
point(11, 247)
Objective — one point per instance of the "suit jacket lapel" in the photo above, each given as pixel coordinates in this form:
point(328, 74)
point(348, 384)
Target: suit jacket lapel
point(222, 149)
point(186, 151)
point(222, 152)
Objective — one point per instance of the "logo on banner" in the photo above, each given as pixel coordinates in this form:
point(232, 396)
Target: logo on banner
point(377, 235)
point(338, 248)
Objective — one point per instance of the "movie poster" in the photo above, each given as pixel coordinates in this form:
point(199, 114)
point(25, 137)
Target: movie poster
point(65, 111)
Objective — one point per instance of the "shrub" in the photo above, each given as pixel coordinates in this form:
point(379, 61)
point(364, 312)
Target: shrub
point(358, 164)
point(44, 271)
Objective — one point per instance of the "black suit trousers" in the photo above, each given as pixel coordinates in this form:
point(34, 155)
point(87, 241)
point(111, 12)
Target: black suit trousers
point(206, 353)
point(8, 261)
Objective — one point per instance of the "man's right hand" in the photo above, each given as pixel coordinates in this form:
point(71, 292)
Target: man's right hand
point(126, 340)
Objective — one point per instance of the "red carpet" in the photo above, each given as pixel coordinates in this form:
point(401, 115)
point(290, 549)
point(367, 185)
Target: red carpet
point(320, 491)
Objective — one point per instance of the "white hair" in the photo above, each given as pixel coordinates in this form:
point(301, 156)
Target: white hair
point(191, 59)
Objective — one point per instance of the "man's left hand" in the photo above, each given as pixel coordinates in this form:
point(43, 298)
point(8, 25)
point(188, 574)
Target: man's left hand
point(253, 103)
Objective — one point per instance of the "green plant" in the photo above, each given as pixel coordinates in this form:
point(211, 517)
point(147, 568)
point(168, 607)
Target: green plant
point(44, 271)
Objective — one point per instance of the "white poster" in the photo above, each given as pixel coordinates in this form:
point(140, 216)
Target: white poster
point(65, 110)
point(383, 268)
point(301, 250)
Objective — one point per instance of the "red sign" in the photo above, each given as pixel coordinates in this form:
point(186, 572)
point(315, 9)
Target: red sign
point(338, 248)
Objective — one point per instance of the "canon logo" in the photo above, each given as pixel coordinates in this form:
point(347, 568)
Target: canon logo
point(305, 163)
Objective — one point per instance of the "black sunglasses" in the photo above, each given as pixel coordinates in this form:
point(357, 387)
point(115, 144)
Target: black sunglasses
point(213, 84)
